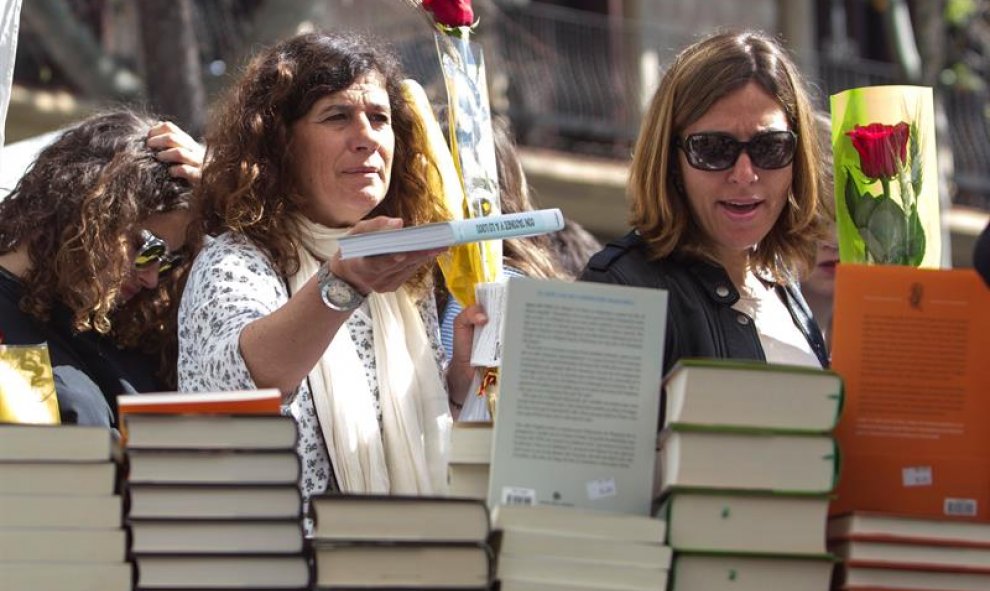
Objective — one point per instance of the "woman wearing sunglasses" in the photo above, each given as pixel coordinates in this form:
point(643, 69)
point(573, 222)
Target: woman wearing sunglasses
point(92, 241)
point(725, 199)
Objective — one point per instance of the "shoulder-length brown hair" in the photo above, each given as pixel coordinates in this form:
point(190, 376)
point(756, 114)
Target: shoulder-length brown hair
point(699, 76)
point(77, 210)
point(248, 185)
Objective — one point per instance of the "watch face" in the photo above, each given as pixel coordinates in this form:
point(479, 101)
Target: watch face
point(339, 292)
point(338, 295)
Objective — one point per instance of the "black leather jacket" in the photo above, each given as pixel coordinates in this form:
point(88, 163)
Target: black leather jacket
point(700, 319)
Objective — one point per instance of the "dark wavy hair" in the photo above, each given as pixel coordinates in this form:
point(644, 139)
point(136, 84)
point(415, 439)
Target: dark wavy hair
point(76, 211)
point(700, 76)
point(248, 184)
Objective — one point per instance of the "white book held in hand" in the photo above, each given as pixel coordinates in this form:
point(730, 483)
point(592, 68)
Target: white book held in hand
point(445, 234)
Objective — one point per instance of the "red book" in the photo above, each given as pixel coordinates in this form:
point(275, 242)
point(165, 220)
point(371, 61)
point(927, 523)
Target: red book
point(244, 402)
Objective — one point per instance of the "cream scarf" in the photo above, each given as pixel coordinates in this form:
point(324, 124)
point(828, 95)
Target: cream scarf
point(408, 452)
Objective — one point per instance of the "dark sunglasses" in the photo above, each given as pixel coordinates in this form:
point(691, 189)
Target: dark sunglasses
point(154, 250)
point(719, 151)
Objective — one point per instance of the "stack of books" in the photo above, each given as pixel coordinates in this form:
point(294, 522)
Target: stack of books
point(746, 464)
point(552, 548)
point(400, 542)
point(213, 485)
point(887, 551)
point(470, 459)
point(60, 509)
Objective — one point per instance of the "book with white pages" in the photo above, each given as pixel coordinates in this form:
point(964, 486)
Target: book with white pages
point(722, 571)
point(698, 457)
point(451, 233)
point(210, 431)
point(522, 542)
point(221, 501)
point(563, 571)
point(577, 522)
point(57, 443)
point(741, 521)
point(744, 393)
point(66, 576)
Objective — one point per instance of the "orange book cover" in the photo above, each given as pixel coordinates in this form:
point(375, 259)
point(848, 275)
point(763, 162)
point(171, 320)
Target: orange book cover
point(244, 402)
point(912, 348)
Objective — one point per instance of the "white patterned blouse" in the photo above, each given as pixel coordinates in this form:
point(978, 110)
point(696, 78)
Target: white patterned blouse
point(233, 283)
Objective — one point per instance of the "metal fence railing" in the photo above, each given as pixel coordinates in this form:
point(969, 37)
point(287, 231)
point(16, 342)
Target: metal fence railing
point(571, 82)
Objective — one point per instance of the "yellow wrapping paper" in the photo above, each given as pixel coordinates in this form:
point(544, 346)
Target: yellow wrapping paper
point(463, 266)
point(27, 385)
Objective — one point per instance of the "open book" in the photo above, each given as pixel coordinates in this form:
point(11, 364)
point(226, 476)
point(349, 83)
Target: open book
point(444, 234)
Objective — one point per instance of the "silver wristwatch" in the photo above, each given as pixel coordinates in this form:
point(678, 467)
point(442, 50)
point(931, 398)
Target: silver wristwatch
point(336, 293)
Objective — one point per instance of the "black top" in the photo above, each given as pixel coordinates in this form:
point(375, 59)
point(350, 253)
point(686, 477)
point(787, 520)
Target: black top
point(90, 371)
point(700, 319)
point(981, 255)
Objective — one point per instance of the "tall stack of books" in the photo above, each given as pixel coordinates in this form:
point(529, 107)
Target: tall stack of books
point(887, 551)
point(60, 510)
point(214, 494)
point(746, 465)
point(400, 542)
point(913, 502)
point(553, 548)
point(470, 459)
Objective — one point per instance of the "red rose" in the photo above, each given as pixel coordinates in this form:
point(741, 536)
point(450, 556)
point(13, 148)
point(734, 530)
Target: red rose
point(452, 13)
point(882, 148)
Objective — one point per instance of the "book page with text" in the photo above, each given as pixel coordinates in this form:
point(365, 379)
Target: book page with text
point(578, 406)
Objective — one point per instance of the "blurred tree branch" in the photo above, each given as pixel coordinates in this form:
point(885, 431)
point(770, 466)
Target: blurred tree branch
point(77, 51)
point(173, 74)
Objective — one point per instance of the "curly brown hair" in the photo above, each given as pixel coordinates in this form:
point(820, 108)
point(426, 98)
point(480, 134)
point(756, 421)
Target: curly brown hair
point(75, 212)
point(701, 75)
point(248, 184)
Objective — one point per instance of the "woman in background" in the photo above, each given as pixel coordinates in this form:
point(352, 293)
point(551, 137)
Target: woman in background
point(818, 287)
point(534, 256)
point(92, 246)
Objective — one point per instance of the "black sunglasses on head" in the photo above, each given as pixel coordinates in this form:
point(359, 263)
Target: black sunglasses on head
point(714, 150)
point(153, 249)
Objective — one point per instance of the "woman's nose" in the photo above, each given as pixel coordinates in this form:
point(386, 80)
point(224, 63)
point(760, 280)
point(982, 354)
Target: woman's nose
point(148, 276)
point(364, 136)
point(743, 172)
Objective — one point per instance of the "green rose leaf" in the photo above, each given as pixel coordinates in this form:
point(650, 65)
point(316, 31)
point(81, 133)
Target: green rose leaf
point(860, 207)
point(885, 233)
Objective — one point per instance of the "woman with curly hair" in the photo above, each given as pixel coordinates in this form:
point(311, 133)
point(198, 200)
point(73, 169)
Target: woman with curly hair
point(316, 141)
point(92, 244)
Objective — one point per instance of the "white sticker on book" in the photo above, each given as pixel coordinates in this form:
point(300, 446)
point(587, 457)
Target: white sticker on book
point(601, 488)
point(916, 476)
point(515, 495)
point(959, 507)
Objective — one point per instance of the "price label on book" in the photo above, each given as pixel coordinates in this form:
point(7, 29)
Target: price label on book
point(514, 495)
point(917, 476)
point(601, 488)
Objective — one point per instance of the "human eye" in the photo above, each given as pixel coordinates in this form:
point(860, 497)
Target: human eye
point(381, 117)
point(334, 117)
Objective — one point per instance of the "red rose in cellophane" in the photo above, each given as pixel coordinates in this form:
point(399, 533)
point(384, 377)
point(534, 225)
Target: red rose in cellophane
point(452, 13)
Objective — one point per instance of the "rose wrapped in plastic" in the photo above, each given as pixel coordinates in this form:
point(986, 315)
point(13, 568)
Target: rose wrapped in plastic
point(882, 148)
point(451, 13)
point(891, 228)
